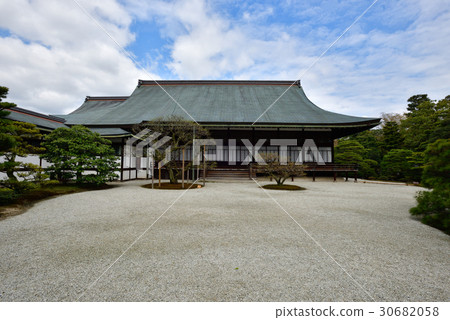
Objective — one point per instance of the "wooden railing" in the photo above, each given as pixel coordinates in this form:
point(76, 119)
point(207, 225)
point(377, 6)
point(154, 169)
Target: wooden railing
point(314, 168)
point(335, 168)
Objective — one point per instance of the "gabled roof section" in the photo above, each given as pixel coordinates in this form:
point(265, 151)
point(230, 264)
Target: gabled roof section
point(230, 102)
point(42, 121)
point(93, 108)
point(111, 132)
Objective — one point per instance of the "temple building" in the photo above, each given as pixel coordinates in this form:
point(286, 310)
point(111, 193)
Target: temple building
point(232, 111)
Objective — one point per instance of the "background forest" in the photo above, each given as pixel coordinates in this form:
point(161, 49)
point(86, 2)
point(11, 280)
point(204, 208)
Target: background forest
point(410, 147)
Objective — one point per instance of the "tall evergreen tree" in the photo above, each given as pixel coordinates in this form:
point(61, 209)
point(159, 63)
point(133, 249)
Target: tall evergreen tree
point(6, 139)
point(416, 100)
point(371, 141)
point(392, 138)
point(421, 123)
point(23, 134)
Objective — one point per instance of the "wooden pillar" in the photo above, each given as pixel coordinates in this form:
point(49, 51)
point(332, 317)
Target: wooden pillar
point(153, 172)
point(122, 158)
point(182, 171)
point(332, 151)
point(204, 166)
point(253, 143)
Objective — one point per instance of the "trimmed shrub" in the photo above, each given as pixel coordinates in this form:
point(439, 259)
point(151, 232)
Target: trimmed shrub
point(7, 195)
point(433, 208)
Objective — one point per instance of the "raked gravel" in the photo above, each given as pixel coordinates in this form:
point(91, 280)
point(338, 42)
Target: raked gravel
point(225, 242)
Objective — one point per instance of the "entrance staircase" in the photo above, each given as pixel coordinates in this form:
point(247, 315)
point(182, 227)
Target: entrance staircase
point(227, 174)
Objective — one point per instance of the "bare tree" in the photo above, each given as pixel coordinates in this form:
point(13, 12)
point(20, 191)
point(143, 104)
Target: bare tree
point(182, 132)
point(279, 172)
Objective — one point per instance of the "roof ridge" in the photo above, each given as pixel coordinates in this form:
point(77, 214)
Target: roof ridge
point(218, 82)
point(106, 98)
point(38, 114)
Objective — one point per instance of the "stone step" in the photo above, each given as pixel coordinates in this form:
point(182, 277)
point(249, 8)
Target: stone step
point(228, 174)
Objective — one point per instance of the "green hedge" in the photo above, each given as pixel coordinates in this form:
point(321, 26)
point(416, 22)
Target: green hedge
point(7, 195)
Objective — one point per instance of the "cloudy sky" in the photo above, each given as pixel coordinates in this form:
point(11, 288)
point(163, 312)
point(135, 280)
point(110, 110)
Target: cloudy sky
point(53, 53)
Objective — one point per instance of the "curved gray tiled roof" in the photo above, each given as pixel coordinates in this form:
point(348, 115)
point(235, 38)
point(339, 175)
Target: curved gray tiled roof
point(231, 102)
point(42, 121)
point(92, 108)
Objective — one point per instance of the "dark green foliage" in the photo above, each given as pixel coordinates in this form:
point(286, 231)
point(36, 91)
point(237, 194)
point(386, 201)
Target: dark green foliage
point(425, 122)
point(368, 169)
point(7, 195)
point(74, 151)
point(19, 187)
point(6, 140)
point(436, 171)
point(3, 94)
point(396, 165)
point(392, 139)
point(416, 100)
point(16, 139)
point(352, 152)
point(416, 161)
point(348, 152)
point(442, 129)
point(420, 126)
point(371, 141)
point(434, 206)
point(23, 134)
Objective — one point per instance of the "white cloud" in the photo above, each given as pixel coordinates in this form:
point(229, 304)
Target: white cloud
point(395, 51)
point(389, 67)
point(207, 45)
point(56, 54)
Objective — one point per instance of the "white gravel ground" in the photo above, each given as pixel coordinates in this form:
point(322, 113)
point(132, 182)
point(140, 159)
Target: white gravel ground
point(225, 242)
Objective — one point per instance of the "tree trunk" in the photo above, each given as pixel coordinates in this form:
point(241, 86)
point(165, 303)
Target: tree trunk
point(10, 174)
point(172, 176)
point(10, 167)
point(79, 174)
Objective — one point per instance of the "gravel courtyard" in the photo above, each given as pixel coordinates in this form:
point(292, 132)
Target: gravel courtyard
point(225, 242)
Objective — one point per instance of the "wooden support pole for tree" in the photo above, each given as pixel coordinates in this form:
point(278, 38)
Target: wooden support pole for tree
point(159, 176)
